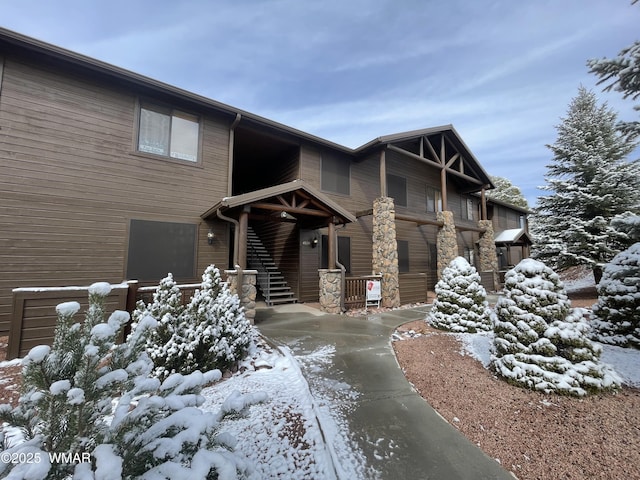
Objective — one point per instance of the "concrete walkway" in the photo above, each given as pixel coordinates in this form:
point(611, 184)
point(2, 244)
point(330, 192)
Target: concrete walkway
point(399, 434)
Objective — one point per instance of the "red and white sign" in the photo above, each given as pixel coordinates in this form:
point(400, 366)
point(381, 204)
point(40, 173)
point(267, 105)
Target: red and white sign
point(373, 290)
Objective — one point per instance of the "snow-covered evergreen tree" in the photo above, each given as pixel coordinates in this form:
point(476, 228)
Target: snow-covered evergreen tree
point(617, 313)
point(628, 225)
point(507, 192)
point(210, 332)
point(95, 400)
point(540, 341)
point(622, 73)
point(461, 304)
point(591, 182)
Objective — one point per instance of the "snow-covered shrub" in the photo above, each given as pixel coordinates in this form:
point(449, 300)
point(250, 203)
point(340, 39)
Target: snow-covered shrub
point(210, 332)
point(617, 313)
point(95, 401)
point(461, 304)
point(540, 341)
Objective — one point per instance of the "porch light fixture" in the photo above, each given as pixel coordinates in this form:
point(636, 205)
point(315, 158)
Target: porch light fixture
point(314, 243)
point(210, 237)
point(287, 216)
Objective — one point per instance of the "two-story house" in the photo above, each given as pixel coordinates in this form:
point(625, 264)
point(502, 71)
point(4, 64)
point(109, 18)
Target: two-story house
point(109, 175)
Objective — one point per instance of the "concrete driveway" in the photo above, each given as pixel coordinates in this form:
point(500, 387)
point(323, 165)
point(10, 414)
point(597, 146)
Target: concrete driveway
point(396, 431)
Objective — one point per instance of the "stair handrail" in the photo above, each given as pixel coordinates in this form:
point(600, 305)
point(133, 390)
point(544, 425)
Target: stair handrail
point(256, 261)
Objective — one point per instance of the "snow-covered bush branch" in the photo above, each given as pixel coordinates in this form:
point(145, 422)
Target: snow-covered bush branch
point(617, 312)
point(88, 395)
point(210, 332)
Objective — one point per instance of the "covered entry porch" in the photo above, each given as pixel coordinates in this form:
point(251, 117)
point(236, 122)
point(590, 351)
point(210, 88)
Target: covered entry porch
point(276, 232)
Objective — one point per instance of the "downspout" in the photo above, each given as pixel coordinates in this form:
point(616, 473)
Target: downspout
point(343, 271)
point(232, 132)
point(235, 245)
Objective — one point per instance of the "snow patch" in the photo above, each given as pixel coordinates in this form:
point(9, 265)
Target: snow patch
point(101, 289)
point(67, 309)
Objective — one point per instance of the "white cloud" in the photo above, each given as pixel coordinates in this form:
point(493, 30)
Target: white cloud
point(502, 72)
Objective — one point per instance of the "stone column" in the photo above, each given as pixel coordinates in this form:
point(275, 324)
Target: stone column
point(488, 255)
point(330, 289)
point(247, 293)
point(385, 251)
point(447, 245)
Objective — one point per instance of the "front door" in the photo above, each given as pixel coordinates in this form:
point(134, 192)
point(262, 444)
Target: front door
point(310, 248)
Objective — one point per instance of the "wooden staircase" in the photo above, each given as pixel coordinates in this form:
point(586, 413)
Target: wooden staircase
point(271, 282)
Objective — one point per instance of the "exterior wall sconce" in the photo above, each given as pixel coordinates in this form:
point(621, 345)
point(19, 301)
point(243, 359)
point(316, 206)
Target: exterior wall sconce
point(210, 236)
point(313, 242)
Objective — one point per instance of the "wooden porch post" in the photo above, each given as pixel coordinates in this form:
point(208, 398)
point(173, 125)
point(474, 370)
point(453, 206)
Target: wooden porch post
point(331, 247)
point(243, 226)
point(443, 187)
point(383, 174)
point(483, 204)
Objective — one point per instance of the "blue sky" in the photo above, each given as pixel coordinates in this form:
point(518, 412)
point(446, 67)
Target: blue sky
point(502, 72)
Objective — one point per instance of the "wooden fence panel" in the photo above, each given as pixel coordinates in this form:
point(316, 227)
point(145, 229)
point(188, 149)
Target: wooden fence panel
point(34, 310)
point(34, 313)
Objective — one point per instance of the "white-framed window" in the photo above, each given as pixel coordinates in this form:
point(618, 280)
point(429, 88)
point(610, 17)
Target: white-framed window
point(168, 133)
point(434, 199)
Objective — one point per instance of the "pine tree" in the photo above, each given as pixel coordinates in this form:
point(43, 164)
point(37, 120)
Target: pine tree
point(507, 192)
point(540, 341)
point(88, 395)
point(210, 332)
point(460, 304)
point(591, 183)
point(623, 74)
point(617, 312)
point(628, 227)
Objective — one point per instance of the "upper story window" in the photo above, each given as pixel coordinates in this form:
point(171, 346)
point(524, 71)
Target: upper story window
point(467, 208)
point(434, 200)
point(168, 133)
point(397, 189)
point(335, 173)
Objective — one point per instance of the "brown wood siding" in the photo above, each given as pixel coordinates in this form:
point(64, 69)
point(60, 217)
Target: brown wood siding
point(504, 218)
point(413, 288)
point(419, 175)
point(364, 185)
point(70, 182)
point(365, 188)
point(309, 264)
point(361, 234)
point(419, 238)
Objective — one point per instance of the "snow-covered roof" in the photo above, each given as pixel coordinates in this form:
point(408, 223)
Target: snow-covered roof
point(512, 235)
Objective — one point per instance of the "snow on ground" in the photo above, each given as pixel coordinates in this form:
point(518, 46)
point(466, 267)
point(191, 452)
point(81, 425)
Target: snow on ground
point(625, 361)
point(294, 434)
point(577, 278)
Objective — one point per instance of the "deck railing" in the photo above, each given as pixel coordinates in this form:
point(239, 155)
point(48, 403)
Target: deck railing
point(355, 291)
